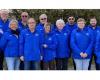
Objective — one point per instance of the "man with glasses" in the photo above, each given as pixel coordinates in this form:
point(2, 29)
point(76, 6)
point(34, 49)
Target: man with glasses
point(71, 25)
point(22, 24)
point(40, 29)
point(4, 23)
point(23, 21)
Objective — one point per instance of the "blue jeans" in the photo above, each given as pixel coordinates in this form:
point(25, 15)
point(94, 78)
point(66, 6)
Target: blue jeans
point(12, 63)
point(31, 65)
point(82, 64)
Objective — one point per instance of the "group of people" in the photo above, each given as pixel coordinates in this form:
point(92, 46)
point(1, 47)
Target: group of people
point(28, 45)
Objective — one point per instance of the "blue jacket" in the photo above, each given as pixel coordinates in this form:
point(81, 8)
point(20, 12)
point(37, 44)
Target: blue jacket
point(62, 37)
point(4, 25)
point(40, 27)
point(81, 41)
point(9, 43)
point(97, 49)
point(49, 53)
point(70, 27)
point(30, 45)
point(95, 32)
point(21, 26)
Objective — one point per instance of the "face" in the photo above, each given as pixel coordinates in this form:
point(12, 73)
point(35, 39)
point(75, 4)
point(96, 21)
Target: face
point(43, 19)
point(4, 15)
point(71, 20)
point(81, 24)
point(31, 23)
point(47, 29)
point(24, 16)
point(60, 25)
point(93, 22)
point(13, 26)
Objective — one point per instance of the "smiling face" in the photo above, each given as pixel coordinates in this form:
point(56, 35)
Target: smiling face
point(60, 24)
point(24, 16)
point(71, 20)
point(43, 18)
point(4, 15)
point(13, 25)
point(31, 23)
point(47, 28)
point(81, 23)
point(93, 22)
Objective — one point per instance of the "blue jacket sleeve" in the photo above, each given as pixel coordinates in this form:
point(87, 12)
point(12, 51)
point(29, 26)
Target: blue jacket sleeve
point(74, 47)
point(89, 49)
point(41, 40)
point(21, 44)
point(3, 41)
point(54, 44)
point(97, 46)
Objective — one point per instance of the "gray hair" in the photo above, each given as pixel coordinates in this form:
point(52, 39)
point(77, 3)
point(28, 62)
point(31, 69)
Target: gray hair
point(13, 20)
point(4, 11)
point(60, 21)
point(42, 15)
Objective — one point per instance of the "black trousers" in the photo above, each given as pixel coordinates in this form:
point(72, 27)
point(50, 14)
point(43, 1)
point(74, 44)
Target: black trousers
point(49, 65)
point(21, 67)
point(1, 59)
point(98, 67)
point(93, 55)
point(62, 63)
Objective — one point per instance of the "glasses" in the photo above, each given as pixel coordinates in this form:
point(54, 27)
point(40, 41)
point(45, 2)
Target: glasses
point(71, 19)
point(24, 16)
point(43, 18)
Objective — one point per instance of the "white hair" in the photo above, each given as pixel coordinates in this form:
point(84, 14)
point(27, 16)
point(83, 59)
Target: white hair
point(60, 21)
point(13, 20)
point(43, 15)
point(4, 11)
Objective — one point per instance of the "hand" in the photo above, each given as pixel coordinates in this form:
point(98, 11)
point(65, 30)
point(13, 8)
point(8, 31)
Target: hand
point(85, 55)
point(41, 57)
point(81, 54)
point(45, 46)
point(22, 58)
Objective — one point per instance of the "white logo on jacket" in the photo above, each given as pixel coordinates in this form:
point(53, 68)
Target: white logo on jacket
point(36, 34)
point(50, 38)
point(87, 34)
point(27, 34)
point(65, 34)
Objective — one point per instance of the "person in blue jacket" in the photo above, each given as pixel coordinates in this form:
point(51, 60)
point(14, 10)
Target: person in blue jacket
point(40, 28)
point(23, 22)
point(97, 51)
point(49, 48)
point(71, 24)
point(10, 44)
point(4, 23)
point(23, 25)
point(95, 29)
point(30, 44)
point(81, 44)
point(62, 51)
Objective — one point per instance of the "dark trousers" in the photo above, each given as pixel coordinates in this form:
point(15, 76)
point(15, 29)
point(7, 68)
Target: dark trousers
point(98, 67)
point(31, 65)
point(74, 64)
point(1, 59)
point(93, 55)
point(41, 64)
point(49, 65)
point(61, 63)
point(21, 67)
